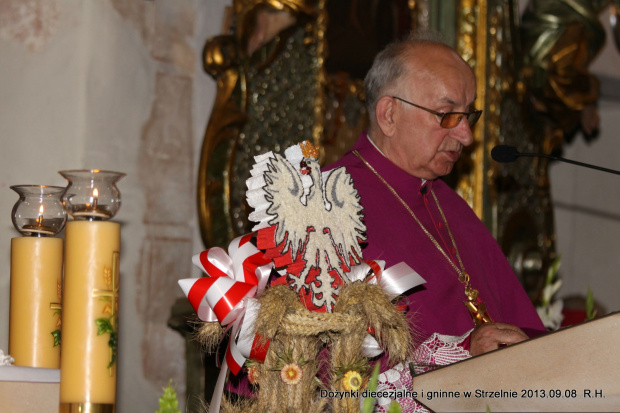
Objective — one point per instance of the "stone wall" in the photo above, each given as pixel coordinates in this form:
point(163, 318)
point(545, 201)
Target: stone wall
point(117, 85)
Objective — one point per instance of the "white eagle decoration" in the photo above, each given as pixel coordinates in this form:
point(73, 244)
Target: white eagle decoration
point(318, 214)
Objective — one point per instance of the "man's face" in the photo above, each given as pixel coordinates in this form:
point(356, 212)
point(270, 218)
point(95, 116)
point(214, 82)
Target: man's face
point(419, 145)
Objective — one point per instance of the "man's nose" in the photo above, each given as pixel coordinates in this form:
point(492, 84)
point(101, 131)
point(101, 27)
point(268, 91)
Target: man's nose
point(463, 133)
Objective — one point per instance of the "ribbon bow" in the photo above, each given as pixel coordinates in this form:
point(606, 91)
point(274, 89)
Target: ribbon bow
point(227, 295)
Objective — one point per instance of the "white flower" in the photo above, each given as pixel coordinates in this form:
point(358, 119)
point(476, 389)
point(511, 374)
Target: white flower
point(551, 315)
point(550, 290)
point(5, 360)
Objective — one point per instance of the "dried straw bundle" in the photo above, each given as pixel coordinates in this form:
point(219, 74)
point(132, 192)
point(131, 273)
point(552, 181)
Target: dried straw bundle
point(297, 336)
point(210, 335)
point(369, 304)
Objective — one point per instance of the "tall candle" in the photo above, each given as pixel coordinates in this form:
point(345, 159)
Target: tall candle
point(90, 316)
point(34, 321)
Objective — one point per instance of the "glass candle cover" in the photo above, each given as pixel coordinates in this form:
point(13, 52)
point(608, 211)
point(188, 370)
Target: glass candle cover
point(39, 210)
point(91, 194)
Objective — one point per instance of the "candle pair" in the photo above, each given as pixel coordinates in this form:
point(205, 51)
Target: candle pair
point(89, 331)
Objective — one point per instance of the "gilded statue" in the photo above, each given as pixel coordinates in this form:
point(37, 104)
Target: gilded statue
point(252, 105)
point(560, 39)
point(278, 85)
point(556, 96)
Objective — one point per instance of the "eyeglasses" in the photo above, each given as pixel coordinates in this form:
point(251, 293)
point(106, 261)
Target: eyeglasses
point(449, 120)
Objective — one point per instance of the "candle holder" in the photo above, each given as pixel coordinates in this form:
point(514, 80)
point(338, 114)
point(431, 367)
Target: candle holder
point(36, 276)
point(39, 210)
point(91, 292)
point(92, 195)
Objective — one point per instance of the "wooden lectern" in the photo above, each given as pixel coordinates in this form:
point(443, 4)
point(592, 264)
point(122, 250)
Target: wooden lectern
point(576, 369)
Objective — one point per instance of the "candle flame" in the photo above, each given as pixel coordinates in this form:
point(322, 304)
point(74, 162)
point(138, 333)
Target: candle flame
point(94, 198)
point(39, 220)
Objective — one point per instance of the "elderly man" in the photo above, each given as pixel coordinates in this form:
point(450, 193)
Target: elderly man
point(421, 97)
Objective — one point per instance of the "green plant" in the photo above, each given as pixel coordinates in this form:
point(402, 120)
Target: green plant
point(168, 402)
point(590, 309)
point(369, 402)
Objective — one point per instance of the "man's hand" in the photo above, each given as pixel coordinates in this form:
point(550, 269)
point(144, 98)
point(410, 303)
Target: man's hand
point(491, 336)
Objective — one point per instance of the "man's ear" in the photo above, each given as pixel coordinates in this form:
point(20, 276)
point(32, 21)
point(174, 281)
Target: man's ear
point(384, 111)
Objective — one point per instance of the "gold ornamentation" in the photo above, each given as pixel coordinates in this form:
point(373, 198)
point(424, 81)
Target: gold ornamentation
point(109, 324)
point(57, 307)
point(477, 309)
point(496, 83)
point(471, 45)
point(272, 94)
point(87, 408)
point(309, 150)
point(255, 109)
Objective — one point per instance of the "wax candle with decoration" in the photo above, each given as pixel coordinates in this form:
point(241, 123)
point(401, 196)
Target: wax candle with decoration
point(90, 305)
point(36, 277)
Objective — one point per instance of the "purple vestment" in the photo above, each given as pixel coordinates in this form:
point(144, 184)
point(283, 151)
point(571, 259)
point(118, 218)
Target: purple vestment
point(394, 236)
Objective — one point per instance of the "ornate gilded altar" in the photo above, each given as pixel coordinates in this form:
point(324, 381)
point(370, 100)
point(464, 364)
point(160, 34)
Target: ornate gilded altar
point(277, 85)
point(290, 70)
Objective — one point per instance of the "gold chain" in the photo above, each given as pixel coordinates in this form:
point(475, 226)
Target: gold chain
point(475, 307)
point(456, 250)
point(463, 277)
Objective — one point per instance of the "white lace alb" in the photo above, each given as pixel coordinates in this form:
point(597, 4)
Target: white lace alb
point(437, 350)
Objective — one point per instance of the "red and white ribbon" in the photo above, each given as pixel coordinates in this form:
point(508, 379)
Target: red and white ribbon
point(232, 280)
point(227, 295)
point(394, 281)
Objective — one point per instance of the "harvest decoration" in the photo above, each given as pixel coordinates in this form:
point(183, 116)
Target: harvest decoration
point(297, 288)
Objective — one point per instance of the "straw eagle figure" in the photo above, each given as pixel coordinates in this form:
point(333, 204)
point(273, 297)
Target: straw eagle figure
point(317, 215)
